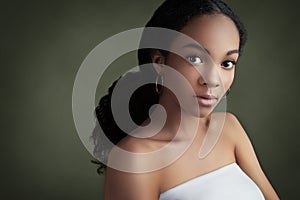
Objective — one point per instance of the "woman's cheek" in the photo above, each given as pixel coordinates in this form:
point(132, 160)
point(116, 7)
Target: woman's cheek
point(227, 79)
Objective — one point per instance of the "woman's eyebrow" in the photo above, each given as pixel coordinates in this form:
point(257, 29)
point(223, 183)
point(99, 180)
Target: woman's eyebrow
point(232, 52)
point(196, 46)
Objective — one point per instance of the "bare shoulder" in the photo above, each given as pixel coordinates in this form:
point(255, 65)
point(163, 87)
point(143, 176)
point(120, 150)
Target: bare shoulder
point(234, 127)
point(125, 178)
point(237, 133)
point(232, 119)
point(246, 156)
point(133, 154)
point(130, 185)
point(242, 140)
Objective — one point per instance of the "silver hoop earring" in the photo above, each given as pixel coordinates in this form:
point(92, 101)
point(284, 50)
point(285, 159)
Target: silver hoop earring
point(161, 84)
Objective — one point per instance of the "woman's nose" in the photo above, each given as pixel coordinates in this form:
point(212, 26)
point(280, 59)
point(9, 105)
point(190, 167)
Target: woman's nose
point(209, 77)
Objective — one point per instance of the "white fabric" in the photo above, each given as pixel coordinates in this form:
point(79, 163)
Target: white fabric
point(226, 183)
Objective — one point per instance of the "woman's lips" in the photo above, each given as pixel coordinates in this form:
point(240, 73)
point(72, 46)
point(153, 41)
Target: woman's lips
point(207, 100)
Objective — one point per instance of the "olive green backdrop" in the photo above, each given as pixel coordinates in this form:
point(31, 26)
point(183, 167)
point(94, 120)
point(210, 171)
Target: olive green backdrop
point(43, 44)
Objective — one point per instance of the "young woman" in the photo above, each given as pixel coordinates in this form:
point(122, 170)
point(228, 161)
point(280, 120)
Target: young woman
point(230, 170)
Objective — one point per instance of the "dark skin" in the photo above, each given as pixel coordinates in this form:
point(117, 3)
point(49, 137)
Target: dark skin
point(219, 36)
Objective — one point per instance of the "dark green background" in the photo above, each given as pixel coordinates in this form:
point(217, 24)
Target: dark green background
point(43, 44)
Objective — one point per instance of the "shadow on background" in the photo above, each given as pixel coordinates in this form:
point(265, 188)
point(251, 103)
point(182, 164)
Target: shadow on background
point(44, 44)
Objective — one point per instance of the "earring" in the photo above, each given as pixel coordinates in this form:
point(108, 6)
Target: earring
point(161, 84)
point(227, 93)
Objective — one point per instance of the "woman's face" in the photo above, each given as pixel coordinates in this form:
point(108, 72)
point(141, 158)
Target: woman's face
point(208, 70)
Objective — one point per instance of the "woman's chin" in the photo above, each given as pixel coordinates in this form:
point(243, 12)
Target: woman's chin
point(205, 113)
point(202, 112)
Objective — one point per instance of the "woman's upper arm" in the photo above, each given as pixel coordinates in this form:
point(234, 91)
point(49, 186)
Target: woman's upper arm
point(130, 186)
point(247, 160)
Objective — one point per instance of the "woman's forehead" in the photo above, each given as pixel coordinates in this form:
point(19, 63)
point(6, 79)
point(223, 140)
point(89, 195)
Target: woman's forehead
point(212, 32)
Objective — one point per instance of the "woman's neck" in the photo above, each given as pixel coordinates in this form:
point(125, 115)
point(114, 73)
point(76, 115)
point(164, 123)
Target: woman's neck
point(177, 119)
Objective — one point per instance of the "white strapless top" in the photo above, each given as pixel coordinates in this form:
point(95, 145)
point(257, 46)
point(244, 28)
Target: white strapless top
point(226, 183)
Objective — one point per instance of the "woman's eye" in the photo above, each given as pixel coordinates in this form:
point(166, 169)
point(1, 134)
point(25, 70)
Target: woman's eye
point(228, 64)
point(194, 59)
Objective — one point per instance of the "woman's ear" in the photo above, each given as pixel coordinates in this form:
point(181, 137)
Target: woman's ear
point(157, 60)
